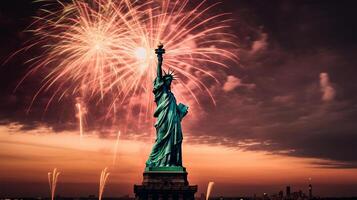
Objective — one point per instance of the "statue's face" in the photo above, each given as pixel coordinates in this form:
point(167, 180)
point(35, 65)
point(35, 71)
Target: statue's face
point(168, 80)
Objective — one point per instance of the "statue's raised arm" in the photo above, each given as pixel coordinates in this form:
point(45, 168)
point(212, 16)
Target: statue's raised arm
point(159, 51)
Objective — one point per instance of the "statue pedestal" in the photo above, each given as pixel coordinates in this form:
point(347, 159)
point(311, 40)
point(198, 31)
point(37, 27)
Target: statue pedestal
point(165, 183)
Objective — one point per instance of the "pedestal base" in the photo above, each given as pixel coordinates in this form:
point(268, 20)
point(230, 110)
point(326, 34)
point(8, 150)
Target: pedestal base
point(163, 184)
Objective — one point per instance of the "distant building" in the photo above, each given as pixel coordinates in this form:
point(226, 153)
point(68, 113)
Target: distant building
point(203, 196)
point(288, 194)
point(281, 194)
point(265, 196)
point(310, 191)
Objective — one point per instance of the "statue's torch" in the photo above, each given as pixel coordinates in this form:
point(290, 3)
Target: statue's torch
point(160, 50)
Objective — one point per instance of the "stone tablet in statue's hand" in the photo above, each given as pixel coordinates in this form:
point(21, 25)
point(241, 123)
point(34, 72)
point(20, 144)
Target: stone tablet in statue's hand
point(182, 110)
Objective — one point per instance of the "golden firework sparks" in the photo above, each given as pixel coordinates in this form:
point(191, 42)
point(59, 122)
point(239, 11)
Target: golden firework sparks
point(104, 48)
point(52, 180)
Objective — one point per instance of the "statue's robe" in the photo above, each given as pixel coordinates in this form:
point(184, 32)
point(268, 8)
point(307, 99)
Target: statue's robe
point(167, 148)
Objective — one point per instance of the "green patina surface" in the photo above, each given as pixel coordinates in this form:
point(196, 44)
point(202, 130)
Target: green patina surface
point(166, 154)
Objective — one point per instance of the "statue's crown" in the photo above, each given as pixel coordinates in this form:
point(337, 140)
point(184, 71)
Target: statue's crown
point(170, 74)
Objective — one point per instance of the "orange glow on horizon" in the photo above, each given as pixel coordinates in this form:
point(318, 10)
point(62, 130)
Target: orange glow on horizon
point(28, 155)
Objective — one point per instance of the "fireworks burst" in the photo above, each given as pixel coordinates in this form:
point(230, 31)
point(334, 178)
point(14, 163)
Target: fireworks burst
point(52, 180)
point(104, 48)
point(81, 112)
point(102, 181)
point(209, 189)
point(116, 148)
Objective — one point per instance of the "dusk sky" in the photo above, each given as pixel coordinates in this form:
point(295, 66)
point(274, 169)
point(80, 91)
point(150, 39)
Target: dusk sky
point(285, 113)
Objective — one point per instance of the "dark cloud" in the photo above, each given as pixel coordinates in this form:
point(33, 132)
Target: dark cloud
point(304, 102)
point(296, 108)
point(297, 68)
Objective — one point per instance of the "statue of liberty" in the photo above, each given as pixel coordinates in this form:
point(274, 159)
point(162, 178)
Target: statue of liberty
point(166, 152)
